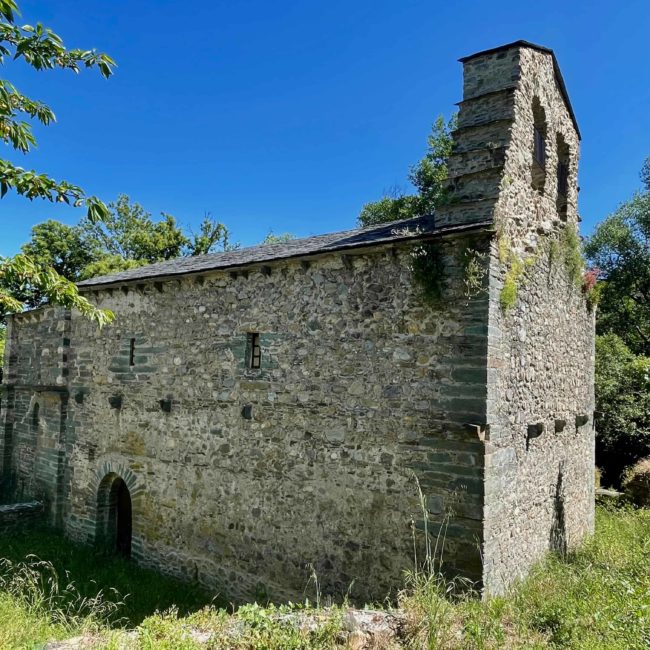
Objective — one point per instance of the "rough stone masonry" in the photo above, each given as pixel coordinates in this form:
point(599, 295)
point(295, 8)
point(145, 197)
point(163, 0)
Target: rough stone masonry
point(252, 414)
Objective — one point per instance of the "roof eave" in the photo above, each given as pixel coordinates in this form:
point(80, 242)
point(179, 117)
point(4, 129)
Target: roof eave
point(424, 236)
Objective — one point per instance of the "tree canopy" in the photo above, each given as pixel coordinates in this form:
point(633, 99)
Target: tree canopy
point(126, 238)
point(282, 238)
point(427, 177)
point(42, 49)
point(620, 250)
point(622, 406)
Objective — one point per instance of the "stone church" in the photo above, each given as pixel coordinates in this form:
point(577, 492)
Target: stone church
point(252, 413)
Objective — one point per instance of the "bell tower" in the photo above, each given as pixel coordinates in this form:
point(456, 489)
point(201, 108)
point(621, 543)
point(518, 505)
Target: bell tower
point(515, 152)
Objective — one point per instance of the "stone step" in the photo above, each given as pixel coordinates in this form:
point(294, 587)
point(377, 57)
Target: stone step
point(490, 106)
point(475, 161)
point(476, 187)
point(491, 72)
point(466, 212)
point(489, 135)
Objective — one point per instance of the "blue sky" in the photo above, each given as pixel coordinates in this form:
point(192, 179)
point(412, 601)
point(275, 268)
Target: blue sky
point(290, 115)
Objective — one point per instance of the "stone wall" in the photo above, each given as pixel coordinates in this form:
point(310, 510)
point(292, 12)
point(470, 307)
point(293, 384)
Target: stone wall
point(243, 478)
point(539, 492)
point(540, 454)
point(15, 516)
point(34, 408)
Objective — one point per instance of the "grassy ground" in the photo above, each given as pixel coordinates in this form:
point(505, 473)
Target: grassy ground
point(596, 598)
point(72, 576)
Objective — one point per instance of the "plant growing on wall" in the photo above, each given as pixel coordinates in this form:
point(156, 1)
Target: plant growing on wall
point(510, 288)
point(474, 265)
point(427, 267)
point(515, 267)
point(565, 248)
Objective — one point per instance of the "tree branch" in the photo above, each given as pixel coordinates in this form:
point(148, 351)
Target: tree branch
point(39, 186)
point(22, 270)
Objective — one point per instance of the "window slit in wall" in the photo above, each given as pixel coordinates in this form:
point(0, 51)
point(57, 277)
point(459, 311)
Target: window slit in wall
point(36, 416)
point(255, 351)
point(132, 353)
point(540, 150)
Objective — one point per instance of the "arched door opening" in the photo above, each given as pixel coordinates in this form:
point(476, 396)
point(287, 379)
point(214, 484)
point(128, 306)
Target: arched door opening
point(123, 515)
point(114, 516)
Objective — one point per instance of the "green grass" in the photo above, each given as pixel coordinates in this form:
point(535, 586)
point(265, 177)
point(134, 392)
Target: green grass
point(597, 597)
point(141, 592)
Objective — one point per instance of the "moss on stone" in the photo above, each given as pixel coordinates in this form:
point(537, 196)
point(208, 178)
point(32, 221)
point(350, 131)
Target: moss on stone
point(510, 289)
point(571, 250)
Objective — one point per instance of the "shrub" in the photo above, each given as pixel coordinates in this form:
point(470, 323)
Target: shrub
point(636, 483)
point(622, 407)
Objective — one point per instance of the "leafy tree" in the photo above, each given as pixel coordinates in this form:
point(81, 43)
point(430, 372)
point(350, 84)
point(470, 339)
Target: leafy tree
point(127, 238)
point(212, 236)
point(108, 265)
point(42, 49)
point(53, 245)
point(272, 238)
point(620, 249)
point(427, 177)
point(59, 246)
point(623, 406)
point(645, 174)
point(129, 233)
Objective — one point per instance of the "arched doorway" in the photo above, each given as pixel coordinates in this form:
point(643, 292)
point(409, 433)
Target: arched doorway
point(114, 515)
point(123, 516)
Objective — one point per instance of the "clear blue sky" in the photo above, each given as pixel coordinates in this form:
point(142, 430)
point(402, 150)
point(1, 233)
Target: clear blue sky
point(290, 115)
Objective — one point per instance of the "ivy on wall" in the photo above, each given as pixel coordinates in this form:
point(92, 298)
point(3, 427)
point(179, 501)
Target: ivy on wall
point(428, 269)
point(565, 249)
point(430, 274)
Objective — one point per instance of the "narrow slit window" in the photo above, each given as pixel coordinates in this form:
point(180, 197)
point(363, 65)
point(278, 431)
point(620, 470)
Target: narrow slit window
point(36, 417)
point(255, 358)
point(132, 353)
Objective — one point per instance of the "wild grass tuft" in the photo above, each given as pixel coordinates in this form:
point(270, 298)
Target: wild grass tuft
point(596, 597)
point(141, 591)
point(38, 603)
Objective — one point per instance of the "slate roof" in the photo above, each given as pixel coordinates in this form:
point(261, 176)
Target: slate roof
point(338, 241)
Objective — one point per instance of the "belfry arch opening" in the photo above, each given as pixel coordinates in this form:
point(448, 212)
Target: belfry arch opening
point(538, 167)
point(563, 158)
point(114, 516)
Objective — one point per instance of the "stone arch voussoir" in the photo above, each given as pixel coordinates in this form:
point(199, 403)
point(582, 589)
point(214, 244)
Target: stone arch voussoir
point(107, 473)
